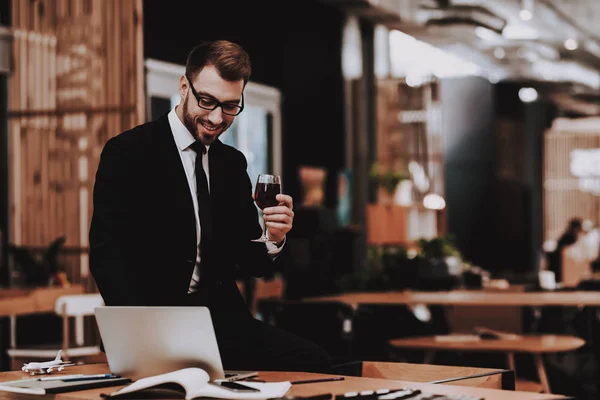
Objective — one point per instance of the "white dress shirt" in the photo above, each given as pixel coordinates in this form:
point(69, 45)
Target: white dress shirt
point(183, 140)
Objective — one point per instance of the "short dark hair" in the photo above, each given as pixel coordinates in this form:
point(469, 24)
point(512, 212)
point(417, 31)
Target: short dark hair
point(575, 224)
point(230, 59)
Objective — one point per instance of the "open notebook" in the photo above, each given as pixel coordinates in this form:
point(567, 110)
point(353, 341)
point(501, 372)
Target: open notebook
point(194, 383)
point(148, 341)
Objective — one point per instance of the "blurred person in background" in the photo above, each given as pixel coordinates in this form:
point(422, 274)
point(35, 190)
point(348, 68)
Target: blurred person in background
point(570, 236)
point(174, 217)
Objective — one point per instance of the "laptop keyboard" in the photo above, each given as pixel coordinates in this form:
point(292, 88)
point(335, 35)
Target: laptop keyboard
point(401, 394)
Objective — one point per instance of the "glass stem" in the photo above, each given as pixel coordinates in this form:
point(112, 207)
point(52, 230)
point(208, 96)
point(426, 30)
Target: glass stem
point(264, 235)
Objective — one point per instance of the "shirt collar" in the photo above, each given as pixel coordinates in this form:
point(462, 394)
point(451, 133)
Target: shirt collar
point(181, 134)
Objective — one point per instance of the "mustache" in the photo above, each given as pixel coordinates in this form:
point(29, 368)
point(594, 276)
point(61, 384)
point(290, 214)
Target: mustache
point(208, 123)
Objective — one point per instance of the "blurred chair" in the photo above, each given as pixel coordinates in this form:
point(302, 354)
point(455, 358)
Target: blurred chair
point(241, 287)
point(376, 324)
point(328, 324)
point(575, 267)
point(72, 309)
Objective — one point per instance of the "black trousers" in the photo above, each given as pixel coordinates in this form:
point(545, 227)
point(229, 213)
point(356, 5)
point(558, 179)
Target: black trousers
point(249, 344)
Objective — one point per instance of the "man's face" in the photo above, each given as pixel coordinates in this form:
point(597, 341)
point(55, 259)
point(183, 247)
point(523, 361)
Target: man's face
point(207, 125)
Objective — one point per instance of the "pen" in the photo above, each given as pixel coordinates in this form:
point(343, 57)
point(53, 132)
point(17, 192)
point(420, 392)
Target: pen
point(58, 378)
point(90, 377)
point(324, 396)
point(339, 378)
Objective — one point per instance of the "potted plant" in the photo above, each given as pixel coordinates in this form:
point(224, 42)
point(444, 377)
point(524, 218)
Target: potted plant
point(440, 263)
point(387, 180)
point(387, 267)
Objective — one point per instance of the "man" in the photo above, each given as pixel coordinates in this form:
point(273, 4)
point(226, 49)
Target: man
point(174, 217)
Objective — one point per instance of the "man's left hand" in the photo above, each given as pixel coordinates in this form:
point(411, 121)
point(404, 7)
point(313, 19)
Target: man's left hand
point(279, 219)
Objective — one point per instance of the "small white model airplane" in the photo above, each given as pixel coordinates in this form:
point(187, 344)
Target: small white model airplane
point(48, 366)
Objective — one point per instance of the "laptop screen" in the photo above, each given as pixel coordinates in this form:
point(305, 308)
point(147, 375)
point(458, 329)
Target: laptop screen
point(147, 341)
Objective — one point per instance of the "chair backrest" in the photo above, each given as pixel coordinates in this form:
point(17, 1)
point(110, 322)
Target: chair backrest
point(574, 268)
point(271, 289)
point(77, 306)
point(73, 305)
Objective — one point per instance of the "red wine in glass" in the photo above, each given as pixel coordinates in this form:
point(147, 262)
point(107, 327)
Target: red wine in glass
point(265, 195)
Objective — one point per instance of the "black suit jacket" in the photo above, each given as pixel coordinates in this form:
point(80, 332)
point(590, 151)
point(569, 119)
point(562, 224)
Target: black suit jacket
point(143, 230)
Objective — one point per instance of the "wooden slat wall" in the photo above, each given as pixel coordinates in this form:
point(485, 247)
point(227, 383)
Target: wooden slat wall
point(77, 81)
point(562, 198)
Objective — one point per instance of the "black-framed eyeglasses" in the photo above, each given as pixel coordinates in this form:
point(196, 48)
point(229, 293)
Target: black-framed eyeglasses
point(210, 103)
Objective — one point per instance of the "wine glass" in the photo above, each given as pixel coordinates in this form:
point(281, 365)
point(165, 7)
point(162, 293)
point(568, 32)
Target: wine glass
point(267, 188)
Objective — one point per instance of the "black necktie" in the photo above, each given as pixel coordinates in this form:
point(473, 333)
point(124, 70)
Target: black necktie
point(204, 207)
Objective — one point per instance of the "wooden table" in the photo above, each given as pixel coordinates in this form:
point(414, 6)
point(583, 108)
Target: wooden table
point(490, 378)
point(468, 298)
point(349, 384)
point(536, 345)
point(468, 308)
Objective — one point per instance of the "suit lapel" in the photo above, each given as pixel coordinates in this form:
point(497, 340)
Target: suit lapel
point(178, 196)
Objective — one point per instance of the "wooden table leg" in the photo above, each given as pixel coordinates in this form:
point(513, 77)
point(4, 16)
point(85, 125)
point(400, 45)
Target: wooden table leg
point(13, 331)
point(539, 364)
point(429, 355)
point(511, 362)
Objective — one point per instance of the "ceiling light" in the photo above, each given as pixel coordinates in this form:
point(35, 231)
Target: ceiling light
point(431, 61)
point(526, 12)
point(381, 39)
point(413, 81)
point(434, 201)
point(545, 51)
point(499, 53)
point(525, 15)
point(571, 44)
point(567, 71)
point(486, 34)
point(520, 32)
point(531, 56)
point(528, 94)
point(496, 76)
point(351, 50)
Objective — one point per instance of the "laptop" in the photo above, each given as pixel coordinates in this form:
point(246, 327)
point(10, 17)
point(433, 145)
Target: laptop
point(146, 341)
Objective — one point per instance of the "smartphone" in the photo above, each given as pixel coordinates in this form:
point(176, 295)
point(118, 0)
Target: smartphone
point(236, 387)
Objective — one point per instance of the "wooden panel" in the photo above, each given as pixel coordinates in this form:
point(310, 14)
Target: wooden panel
point(386, 224)
point(76, 83)
point(409, 131)
point(563, 198)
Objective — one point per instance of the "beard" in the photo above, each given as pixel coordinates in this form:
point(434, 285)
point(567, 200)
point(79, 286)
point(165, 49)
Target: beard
point(191, 123)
